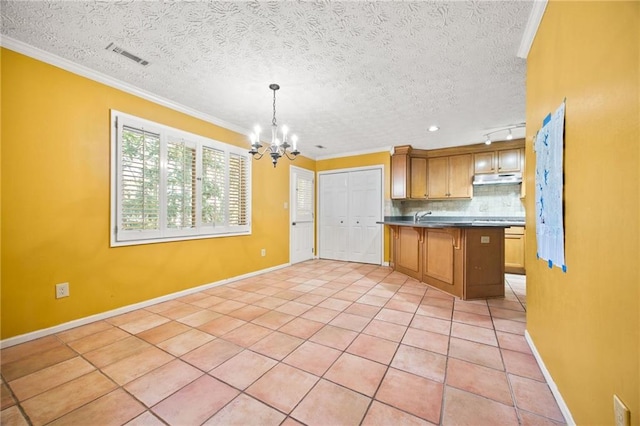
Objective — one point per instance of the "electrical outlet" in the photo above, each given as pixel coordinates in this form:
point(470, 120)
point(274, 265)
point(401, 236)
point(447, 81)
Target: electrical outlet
point(62, 290)
point(621, 412)
point(263, 252)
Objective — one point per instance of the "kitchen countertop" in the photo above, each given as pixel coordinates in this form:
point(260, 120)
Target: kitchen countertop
point(454, 221)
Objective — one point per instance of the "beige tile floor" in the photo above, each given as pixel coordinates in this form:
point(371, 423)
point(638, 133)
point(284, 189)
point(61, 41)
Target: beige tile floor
point(317, 343)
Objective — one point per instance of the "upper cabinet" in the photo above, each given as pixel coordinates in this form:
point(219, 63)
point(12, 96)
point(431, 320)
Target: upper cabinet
point(408, 174)
point(450, 177)
point(400, 169)
point(500, 161)
point(418, 178)
point(445, 174)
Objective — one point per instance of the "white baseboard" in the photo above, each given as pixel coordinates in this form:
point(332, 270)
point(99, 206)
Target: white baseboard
point(552, 385)
point(16, 340)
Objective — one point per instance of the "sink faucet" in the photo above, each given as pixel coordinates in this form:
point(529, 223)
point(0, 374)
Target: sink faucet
point(420, 215)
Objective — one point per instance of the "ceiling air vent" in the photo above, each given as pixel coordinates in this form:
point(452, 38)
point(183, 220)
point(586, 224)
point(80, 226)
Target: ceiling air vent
point(126, 54)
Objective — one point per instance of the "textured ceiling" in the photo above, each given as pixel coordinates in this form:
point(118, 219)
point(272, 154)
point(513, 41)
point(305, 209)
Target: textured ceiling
point(354, 76)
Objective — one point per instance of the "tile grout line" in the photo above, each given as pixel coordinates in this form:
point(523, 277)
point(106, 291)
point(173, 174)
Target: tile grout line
point(340, 288)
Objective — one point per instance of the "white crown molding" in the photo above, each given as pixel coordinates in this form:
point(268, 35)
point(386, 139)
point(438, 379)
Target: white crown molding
point(354, 153)
point(530, 30)
point(67, 65)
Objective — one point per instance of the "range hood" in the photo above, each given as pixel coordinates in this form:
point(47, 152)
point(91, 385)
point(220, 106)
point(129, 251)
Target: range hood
point(498, 178)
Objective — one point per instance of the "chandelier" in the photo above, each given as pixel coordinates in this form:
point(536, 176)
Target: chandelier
point(278, 147)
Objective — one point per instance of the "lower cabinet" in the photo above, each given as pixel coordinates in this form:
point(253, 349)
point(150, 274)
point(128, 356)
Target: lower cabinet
point(464, 262)
point(408, 251)
point(514, 244)
point(443, 259)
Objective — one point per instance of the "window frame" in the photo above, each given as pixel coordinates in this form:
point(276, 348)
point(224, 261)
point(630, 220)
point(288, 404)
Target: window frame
point(119, 238)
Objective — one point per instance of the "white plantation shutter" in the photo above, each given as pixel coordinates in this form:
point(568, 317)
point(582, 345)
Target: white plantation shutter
point(139, 193)
point(181, 185)
point(171, 185)
point(238, 190)
point(213, 186)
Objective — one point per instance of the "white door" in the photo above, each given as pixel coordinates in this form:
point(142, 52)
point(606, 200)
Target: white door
point(350, 205)
point(365, 197)
point(333, 230)
point(301, 200)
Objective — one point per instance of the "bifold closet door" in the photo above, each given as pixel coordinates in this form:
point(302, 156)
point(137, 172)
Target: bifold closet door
point(365, 204)
point(350, 205)
point(334, 227)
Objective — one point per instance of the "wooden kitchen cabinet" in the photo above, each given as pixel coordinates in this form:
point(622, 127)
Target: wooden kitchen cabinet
point(445, 174)
point(514, 246)
point(400, 169)
point(408, 250)
point(509, 161)
point(443, 251)
point(484, 162)
point(418, 175)
point(408, 175)
point(466, 262)
point(450, 177)
point(501, 161)
point(484, 263)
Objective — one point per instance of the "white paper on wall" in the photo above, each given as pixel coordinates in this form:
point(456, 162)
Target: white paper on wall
point(549, 145)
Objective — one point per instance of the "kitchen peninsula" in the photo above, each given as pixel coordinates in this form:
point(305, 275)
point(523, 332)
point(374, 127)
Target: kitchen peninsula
point(460, 256)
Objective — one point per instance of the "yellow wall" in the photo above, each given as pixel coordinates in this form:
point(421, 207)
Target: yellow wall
point(585, 323)
point(55, 204)
point(363, 160)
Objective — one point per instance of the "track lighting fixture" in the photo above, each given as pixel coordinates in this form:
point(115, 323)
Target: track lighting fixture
point(508, 129)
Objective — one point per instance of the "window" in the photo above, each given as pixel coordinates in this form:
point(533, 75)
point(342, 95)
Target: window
point(171, 185)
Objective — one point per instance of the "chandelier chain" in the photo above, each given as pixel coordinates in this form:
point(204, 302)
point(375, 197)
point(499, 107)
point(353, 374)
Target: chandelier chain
point(273, 121)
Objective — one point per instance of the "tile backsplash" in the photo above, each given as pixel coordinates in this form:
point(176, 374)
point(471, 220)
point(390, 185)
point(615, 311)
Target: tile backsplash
point(488, 200)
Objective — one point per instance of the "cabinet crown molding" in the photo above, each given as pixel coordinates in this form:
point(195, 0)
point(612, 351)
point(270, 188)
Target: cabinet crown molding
point(466, 149)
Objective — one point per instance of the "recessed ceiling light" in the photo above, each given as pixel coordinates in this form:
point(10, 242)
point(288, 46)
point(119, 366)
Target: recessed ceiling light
point(433, 128)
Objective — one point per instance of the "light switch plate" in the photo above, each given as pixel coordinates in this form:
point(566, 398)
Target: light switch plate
point(485, 239)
